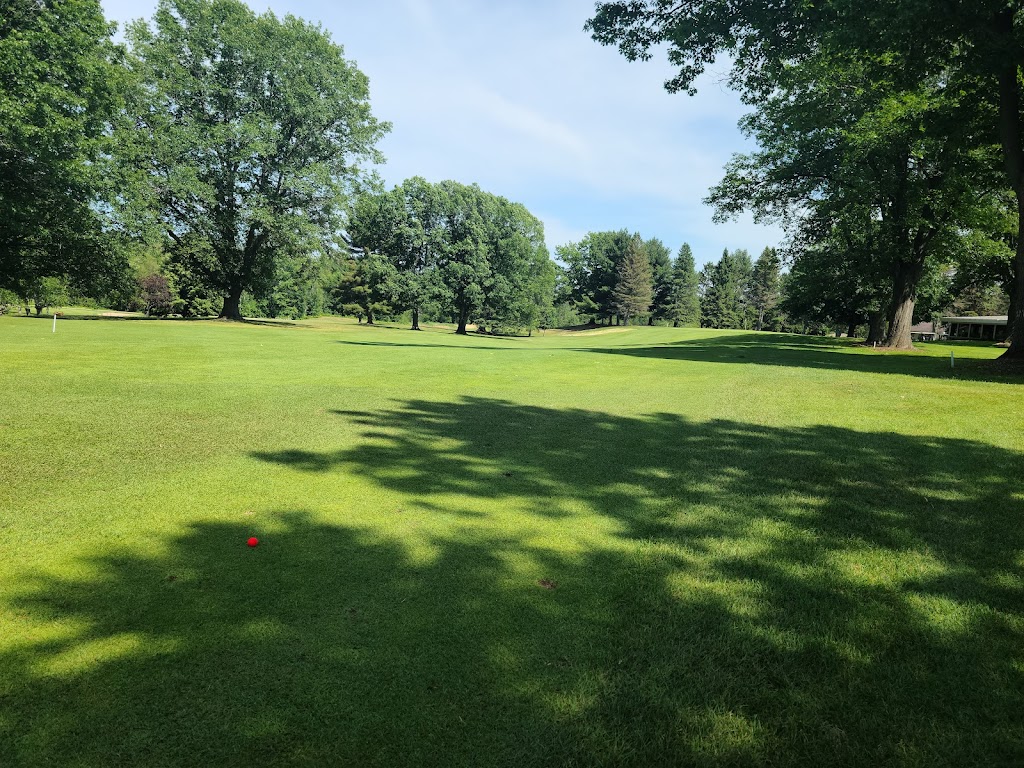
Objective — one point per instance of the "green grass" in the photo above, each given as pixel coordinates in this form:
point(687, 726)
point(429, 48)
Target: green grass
point(624, 547)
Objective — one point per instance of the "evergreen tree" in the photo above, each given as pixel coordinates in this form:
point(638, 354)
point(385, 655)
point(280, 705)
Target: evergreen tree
point(634, 289)
point(764, 285)
point(742, 274)
point(720, 303)
point(367, 286)
point(683, 302)
point(660, 258)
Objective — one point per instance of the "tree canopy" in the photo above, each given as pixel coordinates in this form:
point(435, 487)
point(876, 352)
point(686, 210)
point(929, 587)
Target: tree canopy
point(59, 87)
point(967, 55)
point(476, 256)
point(246, 130)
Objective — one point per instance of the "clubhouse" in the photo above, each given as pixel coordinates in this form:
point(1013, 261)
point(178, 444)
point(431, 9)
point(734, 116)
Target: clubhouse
point(989, 328)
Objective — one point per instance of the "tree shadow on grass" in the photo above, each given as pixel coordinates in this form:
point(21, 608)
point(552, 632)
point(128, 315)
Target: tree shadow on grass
point(785, 350)
point(739, 595)
point(819, 353)
point(493, 348)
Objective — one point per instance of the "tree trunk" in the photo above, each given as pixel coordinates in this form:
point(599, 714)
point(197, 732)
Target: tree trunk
point(876, 327)
point(1015, 321)
point(760, 320)
point(463, 321)
point(232, 309)
point(851, 329)
point(901, 310)
point(898, 336)
point(1015, 317)
point(415, 319)
point(369, 316)
point(675, 323)
point(1012, 313)
point(1012, 139)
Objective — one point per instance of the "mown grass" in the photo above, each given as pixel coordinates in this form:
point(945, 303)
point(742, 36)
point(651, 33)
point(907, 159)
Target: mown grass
point(623, 547)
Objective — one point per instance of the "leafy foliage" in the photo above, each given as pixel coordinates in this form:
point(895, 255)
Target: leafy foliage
point(59, 85)
point(244, 131)
point(155, 295)
point(459, 250)
point(904, 101)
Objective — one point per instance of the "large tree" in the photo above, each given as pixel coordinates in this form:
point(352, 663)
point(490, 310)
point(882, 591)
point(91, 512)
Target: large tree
point(764, 285)
point(59, 85)
point(367, 285)
point(405, 225)
point(838, 138)
point(684, 300)
point(978, 46)
point(634, 286)
point(661, 270)
point(473, 254)
point(245, 130)
point(592, 270)
point(721, 304)
point(522, 273)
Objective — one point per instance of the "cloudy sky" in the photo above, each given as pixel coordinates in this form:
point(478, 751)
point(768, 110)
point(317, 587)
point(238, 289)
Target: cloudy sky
point(513, 95)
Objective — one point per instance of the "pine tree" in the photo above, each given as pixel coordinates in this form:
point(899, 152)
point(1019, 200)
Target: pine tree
point(764, 285)
point(660, 258)
point(720, 304)
point(742, 275)
point(634, 289)
point(684, 301)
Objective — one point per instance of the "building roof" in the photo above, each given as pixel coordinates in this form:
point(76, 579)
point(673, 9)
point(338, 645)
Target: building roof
point(982, 320)
point(924, 327)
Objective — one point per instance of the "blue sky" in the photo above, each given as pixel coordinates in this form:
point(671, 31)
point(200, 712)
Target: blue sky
point(516, 97)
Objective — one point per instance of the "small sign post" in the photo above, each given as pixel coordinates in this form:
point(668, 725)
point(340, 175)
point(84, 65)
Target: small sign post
point(54, 323)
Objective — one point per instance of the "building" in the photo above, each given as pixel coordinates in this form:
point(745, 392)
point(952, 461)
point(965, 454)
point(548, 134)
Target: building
point(991, 328)
point(924, 332)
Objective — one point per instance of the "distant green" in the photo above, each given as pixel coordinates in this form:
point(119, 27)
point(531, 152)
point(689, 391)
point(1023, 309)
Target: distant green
point(642, 546)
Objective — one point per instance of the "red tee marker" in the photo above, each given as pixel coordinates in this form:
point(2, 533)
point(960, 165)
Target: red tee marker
point(253, 541)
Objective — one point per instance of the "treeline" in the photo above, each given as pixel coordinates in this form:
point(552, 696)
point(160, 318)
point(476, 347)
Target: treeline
point(890, 144)
point(618, 277)
point(218, 163)
point(449, 251)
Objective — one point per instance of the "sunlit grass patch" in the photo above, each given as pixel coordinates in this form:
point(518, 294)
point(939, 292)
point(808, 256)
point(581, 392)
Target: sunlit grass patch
point(647, 547)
